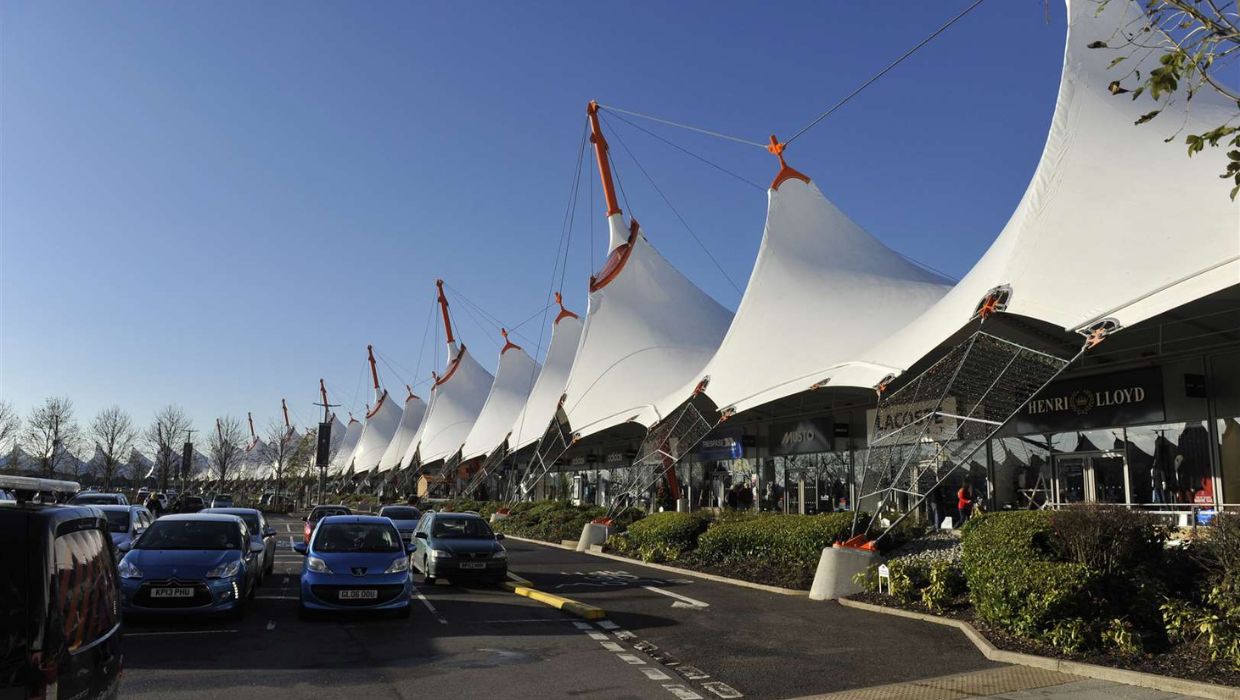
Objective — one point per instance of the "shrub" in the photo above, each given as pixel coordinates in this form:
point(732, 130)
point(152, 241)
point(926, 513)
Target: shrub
point(788, 546)
point(945, 582)
point(1015, 583)
point(555, 521)
point(1111, 540)
point(661, 536)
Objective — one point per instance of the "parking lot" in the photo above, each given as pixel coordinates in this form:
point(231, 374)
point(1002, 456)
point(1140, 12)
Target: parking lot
point(665, 637)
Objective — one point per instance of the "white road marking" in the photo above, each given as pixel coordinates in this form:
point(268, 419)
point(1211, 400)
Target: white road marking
point(608, 625)
point(655, 674)
point(161, 634)
point(583, 625)
point(682, 692)
point(597, 636)
point(625, 635)
point(286, 580)
point(519, 579)
point(693, 602)
point(290, 541)
point(631, 659)
point(612, 646)
point(271, 624)
point(693, 673)
point(288, 527)
point(723, 690)
point(430, 607)
point(276, 597)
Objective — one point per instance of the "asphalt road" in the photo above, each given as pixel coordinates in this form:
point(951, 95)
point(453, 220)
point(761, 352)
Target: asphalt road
point(665, 637)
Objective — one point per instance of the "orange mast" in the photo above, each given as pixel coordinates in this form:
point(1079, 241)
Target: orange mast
point(374, 371)
point(250, 416)
point(284, 406)
point(447, 321)
point(600, 154)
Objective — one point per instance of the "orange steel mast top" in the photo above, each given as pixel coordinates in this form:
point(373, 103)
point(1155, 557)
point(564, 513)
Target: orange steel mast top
point(443, 305)
point(284, 406)
point(250, 416)
point(600, 154)
point(374, 372)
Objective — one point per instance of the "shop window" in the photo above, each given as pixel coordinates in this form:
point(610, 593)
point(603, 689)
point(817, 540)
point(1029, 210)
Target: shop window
point(1229, 459)
point(1169, 464)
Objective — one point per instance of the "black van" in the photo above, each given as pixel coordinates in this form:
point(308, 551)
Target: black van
point(60, 614)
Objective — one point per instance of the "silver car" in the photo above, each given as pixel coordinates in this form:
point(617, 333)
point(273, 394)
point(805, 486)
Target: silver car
point(260, 533)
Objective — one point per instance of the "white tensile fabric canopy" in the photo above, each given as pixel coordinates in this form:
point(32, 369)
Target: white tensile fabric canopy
point(344, 454)
point(544, 399)
point(456, 401)
point(410, 420)
point(822, 291)
point(1116, 223)
point(648, 331)
point(514, 377)
point(338, 431)
point(381, 423)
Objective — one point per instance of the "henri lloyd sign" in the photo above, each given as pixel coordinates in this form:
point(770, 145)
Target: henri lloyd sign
point(1107, 400)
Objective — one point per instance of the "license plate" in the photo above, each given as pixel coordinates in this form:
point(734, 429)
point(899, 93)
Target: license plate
point(473, 565)
point(359, 594)
point(172, 593)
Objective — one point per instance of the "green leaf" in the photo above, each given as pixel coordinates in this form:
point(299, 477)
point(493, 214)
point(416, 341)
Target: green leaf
point(1147, 116)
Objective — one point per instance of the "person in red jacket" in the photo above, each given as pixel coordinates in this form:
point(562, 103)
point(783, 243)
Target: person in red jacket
point(964, 502)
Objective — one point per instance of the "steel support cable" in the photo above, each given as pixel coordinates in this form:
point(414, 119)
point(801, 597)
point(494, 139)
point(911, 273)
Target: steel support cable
point(426, 331)
point(884, 71)
point(689, 127)
point(488, 316)
point(691, 154)
point(570, 212)
point(671, 206)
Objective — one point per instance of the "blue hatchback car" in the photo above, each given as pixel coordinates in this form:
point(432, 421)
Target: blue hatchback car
point(190, 563)
point(355, 562)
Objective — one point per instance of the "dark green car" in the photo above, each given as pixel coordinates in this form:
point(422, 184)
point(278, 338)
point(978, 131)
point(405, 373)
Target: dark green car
point(459, 547)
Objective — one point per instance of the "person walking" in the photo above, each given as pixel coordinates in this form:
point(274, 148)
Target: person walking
point(964, 502)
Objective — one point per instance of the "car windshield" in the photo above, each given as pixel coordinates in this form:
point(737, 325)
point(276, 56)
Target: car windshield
point(319, 514)
point(118, 520)
point(401, 513)
point(473, 528)
point(357, 537)
point(191, 534)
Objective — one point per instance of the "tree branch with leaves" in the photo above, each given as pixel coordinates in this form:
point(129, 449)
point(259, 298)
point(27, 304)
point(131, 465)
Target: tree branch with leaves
point(1199, 41)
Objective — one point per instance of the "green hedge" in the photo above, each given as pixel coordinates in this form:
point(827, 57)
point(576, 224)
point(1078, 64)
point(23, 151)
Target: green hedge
point(790, 545)
point(555, 521)
point(1016, 583)
point(661, 536)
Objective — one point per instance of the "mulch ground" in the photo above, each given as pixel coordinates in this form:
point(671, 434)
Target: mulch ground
point(1188, 661)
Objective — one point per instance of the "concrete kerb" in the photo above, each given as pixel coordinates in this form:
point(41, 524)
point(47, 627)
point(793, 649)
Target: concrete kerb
point(674, 569)
point(1105, 673)
point(568, 605)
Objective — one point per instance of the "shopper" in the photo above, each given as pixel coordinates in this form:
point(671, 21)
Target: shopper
point(964, 502)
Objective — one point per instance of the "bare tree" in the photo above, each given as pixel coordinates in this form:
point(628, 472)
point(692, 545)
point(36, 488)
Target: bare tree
point(1198, 41)
point(114, 434)
point(226, 447)
point(281, 450)
point(165, 435)
point(10, 426)
point(51, 435)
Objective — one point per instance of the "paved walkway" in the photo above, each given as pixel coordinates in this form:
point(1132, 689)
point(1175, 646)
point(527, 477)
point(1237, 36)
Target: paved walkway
point(1008, 683)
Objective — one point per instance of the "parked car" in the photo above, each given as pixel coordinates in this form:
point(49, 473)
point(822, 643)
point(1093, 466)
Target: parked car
point(459, 546)
point(192, 504)
point(222, 500)
point(125, 523)
point(6, 497)
point(95, 498)
point(260, 533)
point(282, 503)
point(405, 518)
point(318, 513)
point(163, 501)
point(140, 497)
point(60, 610)
point(191, 563)
point(355, 562)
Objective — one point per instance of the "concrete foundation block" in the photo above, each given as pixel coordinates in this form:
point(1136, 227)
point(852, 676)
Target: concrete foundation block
point(592, 533)
point(836, 568)
point(496, 517)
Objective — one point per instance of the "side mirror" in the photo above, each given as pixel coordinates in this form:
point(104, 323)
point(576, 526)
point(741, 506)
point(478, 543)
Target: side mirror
point(306, 519)
point(124, 546)
point(499, 536)
point(410, 548)
point(269, 531)
point(421, 535)
point(257, 548)
point(300, 548)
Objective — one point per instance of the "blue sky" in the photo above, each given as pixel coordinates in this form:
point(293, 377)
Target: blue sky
point(215, 204)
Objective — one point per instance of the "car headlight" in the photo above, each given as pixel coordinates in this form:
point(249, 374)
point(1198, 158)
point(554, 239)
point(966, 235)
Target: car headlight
point(440, 554)
point(399, 564)
point(228, 570)
point(317, 565)
point(501, 553)
point(128, 570)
